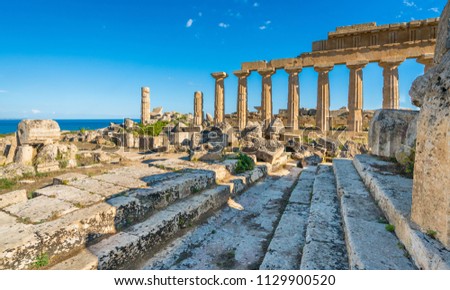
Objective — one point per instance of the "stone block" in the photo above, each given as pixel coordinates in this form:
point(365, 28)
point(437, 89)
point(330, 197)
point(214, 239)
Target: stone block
point(13, 197)
point(40, 209)
point(388, 131)
point(35, 132)
point(78, 197)
point(24, 155)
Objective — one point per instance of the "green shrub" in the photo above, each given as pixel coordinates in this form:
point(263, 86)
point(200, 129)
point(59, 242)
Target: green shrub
point(42, 260)
point(153, 129)
point(244, 163)
point(6, 183)
point(390, 228)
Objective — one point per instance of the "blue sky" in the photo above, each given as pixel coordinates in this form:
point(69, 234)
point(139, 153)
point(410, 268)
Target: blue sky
point(88, 58)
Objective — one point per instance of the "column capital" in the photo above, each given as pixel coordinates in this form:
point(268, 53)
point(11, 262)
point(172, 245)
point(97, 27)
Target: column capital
point(357, 65)
point(266, 72)
point(145, 90)
point(293, 69)
point(390, 63)
point(242, 73)
point(323, 68)
point(219, 75)
point(426, 59)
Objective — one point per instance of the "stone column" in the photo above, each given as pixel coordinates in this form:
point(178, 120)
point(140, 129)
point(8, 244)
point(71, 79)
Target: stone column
point(198, 108)
point(266, 95)
point(219, 104)
point(390, 84)
point(323, 98)
point(145, 105)
point(242, 98)
point(293, 97)
point(355, 97)
point(427, 60)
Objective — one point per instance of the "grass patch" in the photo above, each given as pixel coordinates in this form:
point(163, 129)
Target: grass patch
point(7, 183)
point(432, 234)
point(244, 163)
point(151, 130)
point(390, 228)
point(42, 260)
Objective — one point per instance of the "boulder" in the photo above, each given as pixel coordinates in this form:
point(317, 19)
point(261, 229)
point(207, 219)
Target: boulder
point(264, 150)
point(275, 128)
point(388, 131)
point(252, 130)
point(24, 155)
point(128, 124)
point(36, 132)
point(209, 118)
point(15, 170)
point(431, 183)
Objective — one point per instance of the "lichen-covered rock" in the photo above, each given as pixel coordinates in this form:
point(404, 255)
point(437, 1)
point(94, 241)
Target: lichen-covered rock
point(388, 131)
point(35, 132)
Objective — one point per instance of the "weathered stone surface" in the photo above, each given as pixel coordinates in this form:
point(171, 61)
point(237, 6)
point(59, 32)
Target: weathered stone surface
point(35, 132)
point(432, 163)
point(275, 128)
point(102, 188)
point(253, 130)
point(393, 194)
point(285, 249)
point(388, 131)
point(369, 245)
point(145, 105)
point(443, 36)
point(68, 178)
point(13, 197)
point(14, 170)
point(24, 155)
point(79, 198)
point(120, 180)
point(40, 209)
point(85, 260)
point(325, 245)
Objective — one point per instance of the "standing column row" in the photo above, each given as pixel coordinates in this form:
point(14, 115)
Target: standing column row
point(266, 95)
point(242, 100)
point(323, 98)
point(355, 97)
point(390, 84)
point(293, 97)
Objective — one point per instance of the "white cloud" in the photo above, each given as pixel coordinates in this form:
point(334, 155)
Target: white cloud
point(256, 4)
point(409, 3)
point(224, 25)
point(434, 9)
point(263, 27)
point(35, 111)
point(189, 23)
point(268, 22)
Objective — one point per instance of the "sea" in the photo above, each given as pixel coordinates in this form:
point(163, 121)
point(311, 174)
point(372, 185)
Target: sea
point(10, 126)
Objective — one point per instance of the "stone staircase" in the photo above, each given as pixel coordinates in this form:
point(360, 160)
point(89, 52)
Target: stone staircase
point(76, 219)
point(172, 215)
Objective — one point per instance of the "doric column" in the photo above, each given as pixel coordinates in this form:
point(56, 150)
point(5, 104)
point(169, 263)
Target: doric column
point(145, 105)
point(390, 84)
point(323, 98)
point(293, 97)
point(242, 98)
point(427, 60)
point(355, 97)
point(266, 95)
point(219, 104)
point(198, 108)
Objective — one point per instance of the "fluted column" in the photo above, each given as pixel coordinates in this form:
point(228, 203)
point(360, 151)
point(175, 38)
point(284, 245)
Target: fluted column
point(219, 104)
point(427, 60)
point(293, 97)
point(266, 95)
point(390, 84)
point(355, 97)
point(145, 105)
point(198, 108)
point(323, 98)
point(242, 103)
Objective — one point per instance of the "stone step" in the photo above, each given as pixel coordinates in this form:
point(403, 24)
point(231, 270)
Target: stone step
point(235, 237)
point(133, 241)
point(369, 245)
point(325, 244)
point(393, 194)
point(285, 248)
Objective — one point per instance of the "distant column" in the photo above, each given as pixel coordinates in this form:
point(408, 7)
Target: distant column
point(355, 97)
point(266, 95)
point(293, 97)
point(242, 102)
point(198, 108)
point(427, 60)
point(219, 105)
point(390, 84)
point(323, 98)
point(145, 105)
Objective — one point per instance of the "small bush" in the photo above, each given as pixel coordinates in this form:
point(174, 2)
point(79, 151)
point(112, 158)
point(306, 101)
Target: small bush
point(42, 260)
point(244, 163)
point(432, 234)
